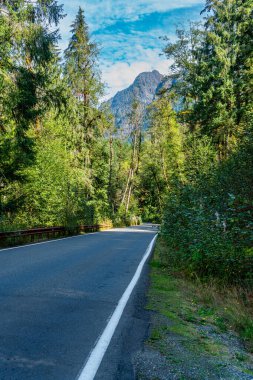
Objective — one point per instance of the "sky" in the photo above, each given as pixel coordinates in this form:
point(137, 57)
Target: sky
point(129, 33)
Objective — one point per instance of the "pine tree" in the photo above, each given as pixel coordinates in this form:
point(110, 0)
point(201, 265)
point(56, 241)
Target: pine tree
point(212, 67)
point(81, 60)
point(27, 49)
point(82, 76)
point(90, 122)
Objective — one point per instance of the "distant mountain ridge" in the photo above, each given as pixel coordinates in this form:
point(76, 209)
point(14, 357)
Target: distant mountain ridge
point(144, 90)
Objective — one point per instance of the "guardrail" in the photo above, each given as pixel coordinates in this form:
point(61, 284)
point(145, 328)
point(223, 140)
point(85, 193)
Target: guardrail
point(38, 234)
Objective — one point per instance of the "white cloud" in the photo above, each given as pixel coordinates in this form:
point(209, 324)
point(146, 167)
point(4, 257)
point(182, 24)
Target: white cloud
point(120, 75)
point(125, 51)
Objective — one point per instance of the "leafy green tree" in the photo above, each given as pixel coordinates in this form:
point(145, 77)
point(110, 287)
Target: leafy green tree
point(81, 62)
point(27, 50)
point(90, 122)
point(207, 222)
point(136, 124)
point(162, 161)
point(82, 75)
point(211, 67)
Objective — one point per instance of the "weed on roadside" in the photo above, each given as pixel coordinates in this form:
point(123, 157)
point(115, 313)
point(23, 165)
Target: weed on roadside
point(199, 330)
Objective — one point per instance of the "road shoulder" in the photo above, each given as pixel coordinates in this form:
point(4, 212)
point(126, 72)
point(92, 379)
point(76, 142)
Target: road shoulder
point(187, 339)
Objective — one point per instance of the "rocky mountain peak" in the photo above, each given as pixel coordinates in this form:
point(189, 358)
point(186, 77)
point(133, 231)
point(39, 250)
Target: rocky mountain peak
point(143, 90)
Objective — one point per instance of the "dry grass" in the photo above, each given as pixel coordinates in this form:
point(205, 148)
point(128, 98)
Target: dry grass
point(234, 305)
point(230, 308)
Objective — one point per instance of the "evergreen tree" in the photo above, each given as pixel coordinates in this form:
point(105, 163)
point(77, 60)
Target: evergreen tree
point(81, 62)
point(207, 222)
point(90, 124)
point(211, 66)
point(27, 50)
point(82, 75)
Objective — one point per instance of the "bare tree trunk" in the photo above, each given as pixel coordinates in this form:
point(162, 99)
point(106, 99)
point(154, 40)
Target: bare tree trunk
point(158, 190)
point(135, 159)
point(130, 173)
point(129, 196)
point(138, 153)
point(110, 173)
point(126, 188)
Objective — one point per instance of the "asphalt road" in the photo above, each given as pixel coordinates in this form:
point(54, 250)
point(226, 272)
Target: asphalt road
point(55, 301)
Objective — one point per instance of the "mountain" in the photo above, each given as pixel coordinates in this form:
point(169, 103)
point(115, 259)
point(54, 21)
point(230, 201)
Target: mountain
point(144, 89)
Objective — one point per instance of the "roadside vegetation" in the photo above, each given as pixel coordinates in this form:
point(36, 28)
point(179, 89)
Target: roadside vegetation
point(198, 330)
point(202, 276)
point(228, 308)
point(61, 160)
point(63, 163)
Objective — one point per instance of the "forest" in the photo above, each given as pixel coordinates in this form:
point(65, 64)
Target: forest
point(64, 164)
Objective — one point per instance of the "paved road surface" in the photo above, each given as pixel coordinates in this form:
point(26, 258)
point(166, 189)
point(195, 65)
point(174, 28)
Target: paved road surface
point(56, 298)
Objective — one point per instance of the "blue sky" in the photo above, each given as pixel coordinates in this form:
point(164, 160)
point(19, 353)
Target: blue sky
point(128, 33)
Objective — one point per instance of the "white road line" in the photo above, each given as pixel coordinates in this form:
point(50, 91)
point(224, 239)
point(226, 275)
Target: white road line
point(96, 356)
point(52, 241)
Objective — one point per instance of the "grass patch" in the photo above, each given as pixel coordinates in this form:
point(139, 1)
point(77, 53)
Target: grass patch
point(155, 335)
point(196, 326)
point(194, 302)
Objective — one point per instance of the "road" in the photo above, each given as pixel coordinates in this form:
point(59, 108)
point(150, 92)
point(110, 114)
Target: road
point(56, 299)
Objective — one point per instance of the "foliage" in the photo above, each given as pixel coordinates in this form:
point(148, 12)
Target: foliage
point(195, 303)
point(208, 218)
point(162, 159)
point(28, 58)
point(207, 224)
point(212, 64)
point(63, 162)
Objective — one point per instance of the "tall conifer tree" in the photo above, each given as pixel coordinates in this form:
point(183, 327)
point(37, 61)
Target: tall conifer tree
point(27, 51)
point(81, 71)
point(213, 66)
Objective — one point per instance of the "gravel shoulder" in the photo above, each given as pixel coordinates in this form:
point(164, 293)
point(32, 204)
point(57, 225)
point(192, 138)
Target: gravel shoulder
point(187, 339)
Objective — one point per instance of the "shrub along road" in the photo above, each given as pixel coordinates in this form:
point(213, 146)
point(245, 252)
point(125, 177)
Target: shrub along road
point(56, 299)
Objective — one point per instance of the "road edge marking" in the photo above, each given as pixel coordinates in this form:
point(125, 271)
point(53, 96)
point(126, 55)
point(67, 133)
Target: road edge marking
point(91, 366)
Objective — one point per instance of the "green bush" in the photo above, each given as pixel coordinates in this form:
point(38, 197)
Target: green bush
point(208, 220)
